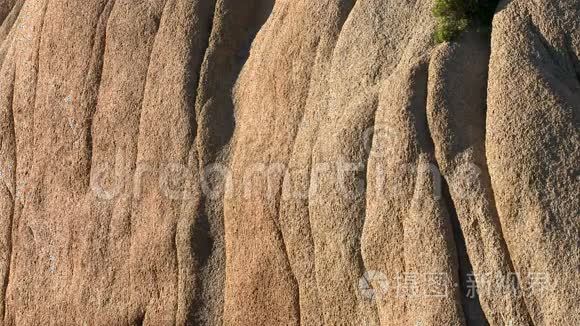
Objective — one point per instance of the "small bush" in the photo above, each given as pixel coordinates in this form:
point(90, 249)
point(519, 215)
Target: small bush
point(454, 16)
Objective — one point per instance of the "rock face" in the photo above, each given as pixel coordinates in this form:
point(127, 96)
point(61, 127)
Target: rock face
point(263, 162)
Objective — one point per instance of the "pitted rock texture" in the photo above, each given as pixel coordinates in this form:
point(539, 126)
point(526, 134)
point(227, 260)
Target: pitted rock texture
point(277, 162)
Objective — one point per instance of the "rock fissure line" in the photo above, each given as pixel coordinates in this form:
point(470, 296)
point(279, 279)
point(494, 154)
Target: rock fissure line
point(13, 222)
point(13, 193)
point(141, 312)
point(98, 43)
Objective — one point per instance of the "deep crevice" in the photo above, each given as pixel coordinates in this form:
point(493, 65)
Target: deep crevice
point(200, 240)
point(139, 320)
point(469, 298)
point(455, 16)
point(470, 303)
point(510, 262)
point(217, 124)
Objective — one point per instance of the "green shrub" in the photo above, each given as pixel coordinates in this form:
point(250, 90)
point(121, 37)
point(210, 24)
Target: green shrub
point(454, 16)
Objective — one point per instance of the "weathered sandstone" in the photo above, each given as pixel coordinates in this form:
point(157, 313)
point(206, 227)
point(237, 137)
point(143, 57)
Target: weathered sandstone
point(287, 162)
